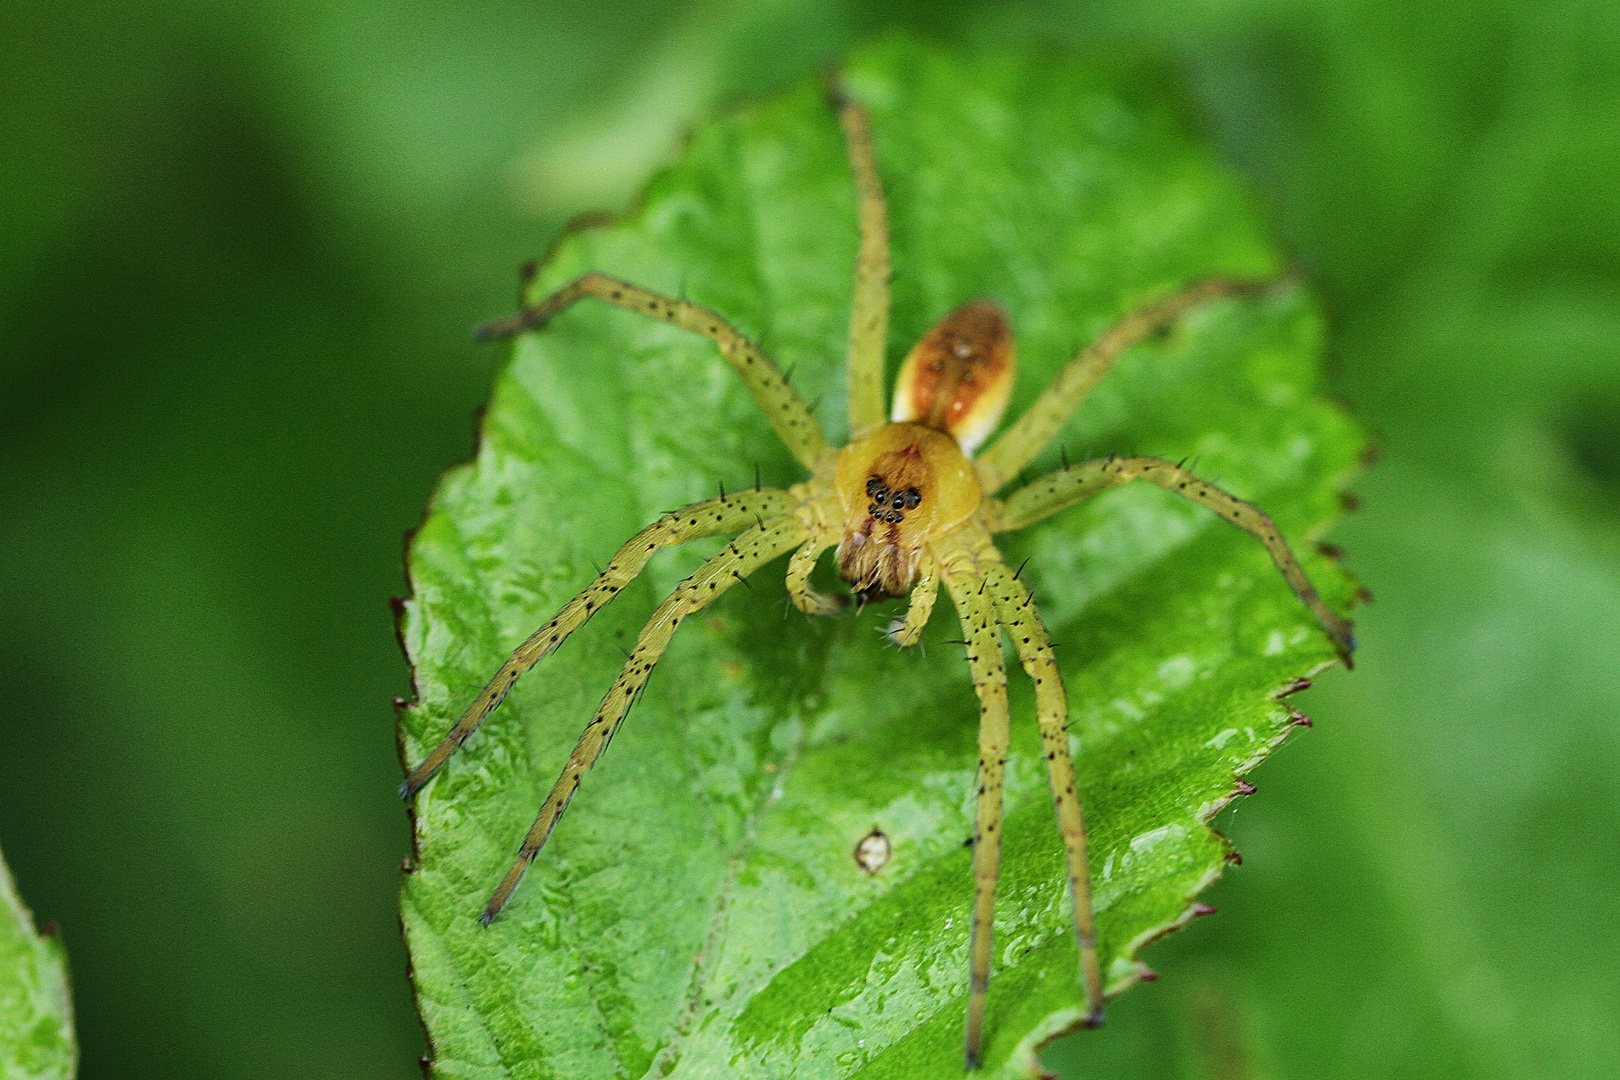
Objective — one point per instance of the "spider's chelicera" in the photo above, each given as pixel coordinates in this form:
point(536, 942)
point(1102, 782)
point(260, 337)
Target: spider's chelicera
point(909, 508)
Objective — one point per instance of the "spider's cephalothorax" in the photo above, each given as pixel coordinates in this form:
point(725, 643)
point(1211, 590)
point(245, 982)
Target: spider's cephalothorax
point(910, 508)
point(897, 488)
point(910, 480)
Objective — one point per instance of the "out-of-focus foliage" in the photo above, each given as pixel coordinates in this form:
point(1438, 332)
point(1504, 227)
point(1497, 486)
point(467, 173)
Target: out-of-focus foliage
point(699, 914)
point(243, 244)
point(36, 1012)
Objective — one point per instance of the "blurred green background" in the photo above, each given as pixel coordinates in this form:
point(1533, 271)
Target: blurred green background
point(243, 245)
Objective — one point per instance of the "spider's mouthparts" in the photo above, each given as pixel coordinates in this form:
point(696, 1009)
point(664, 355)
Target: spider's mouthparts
point(876, 568)
point(868, 593)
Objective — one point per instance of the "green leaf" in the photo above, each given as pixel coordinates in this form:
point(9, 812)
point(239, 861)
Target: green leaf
point(36, 1013)
point(699, 911)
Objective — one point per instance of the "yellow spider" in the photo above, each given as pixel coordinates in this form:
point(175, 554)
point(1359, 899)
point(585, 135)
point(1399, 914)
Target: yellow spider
point(908, 508)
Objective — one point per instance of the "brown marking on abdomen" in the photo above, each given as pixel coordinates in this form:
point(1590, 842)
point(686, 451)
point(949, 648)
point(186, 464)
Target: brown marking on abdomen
point(964, 356)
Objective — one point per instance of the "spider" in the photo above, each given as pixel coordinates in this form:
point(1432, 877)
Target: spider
point(909, 508)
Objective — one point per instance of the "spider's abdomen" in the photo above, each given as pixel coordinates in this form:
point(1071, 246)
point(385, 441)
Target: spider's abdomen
point(899, 487)
point(958, 378)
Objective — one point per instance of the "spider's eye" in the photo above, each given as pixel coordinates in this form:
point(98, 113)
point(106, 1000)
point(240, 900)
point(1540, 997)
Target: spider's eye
point(913, 497)
point(899, 501)
point(872, 486)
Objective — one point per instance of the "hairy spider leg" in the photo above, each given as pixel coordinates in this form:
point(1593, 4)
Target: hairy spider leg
point(805, 598)
point(783, 406)
point(734, 562)
point(869, 317)
point(980, 629)
point(1019, 444)
point(1015, 608)
point(1046, 496)
point(711, 517)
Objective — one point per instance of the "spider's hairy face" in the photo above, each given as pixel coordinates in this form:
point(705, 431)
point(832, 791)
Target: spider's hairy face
point(899, 486)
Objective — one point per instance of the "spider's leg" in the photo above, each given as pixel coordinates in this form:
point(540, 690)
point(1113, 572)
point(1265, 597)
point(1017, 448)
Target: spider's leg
point(905, 632)
point(869, 317)
point(712, 517)
point(781, 403)
point(747, 553)
point(982, 633)
point(804, 597)
point(1018, 446)
point(1015, 607)
point(1053, 492)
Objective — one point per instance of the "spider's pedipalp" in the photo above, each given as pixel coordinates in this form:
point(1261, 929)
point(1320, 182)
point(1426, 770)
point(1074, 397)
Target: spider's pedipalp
point(782, 405)
point(1015, 608)
point(869, 316)
point(711, 517)
point(905, 632)
point(741, 557)
point(1018, 445)
point(805, 598)
point(1048, 495)
point(982, 632)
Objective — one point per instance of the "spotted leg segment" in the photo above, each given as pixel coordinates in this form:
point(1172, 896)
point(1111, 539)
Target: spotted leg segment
point(1018, 446)
point(869, 317)
point(1015, 608)
point(783, 406)
point(983, 637)
point(712, 517)
point(741, 557)
point(1046, 496)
